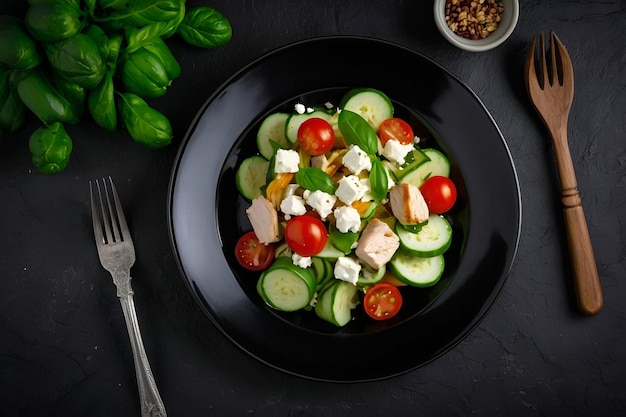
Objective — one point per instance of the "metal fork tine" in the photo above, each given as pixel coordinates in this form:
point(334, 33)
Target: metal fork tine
point(106, 216)
point(113, 213)
point(123, 227)
point(96, 220)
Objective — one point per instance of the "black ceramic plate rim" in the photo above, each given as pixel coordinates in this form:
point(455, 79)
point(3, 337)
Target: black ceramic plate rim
point(181, 184)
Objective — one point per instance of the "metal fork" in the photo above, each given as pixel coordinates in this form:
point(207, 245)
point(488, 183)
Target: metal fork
point(117, 255)
point(551, 91)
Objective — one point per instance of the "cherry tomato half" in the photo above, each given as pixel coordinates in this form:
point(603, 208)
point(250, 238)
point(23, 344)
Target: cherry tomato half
point(306, 235)
point(252, 254)
point(439, 193)
point(316, 136)
point(396, 129)
point(382, 301)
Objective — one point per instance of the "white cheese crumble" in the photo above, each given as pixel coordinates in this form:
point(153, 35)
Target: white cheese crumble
point(287, 160)
point(299, 108)
point(347, 269)
point(357, 160)
point(395, 151)
point(347, 219)
point(293, 205)
point(301, 261)
point(350, 189)
point(320, 201)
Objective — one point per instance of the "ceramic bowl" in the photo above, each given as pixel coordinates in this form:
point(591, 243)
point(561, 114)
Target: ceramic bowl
point(506, 25)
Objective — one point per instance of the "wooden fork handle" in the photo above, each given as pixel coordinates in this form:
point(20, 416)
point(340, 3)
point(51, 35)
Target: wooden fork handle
point(584, 269)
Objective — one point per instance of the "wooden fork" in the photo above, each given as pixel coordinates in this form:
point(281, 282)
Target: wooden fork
point(551, 90)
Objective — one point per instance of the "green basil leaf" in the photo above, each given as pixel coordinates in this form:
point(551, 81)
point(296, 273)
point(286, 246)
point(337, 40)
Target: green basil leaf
point(144, 124)
point(379, 181)
point(357, 131)
point(314, 179)
point(205, 27)
point(50, 148)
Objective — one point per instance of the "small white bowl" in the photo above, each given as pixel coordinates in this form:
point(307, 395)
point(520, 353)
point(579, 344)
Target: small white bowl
point(506, 26)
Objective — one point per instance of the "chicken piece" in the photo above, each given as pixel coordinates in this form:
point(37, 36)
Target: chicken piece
point(408, 204)
point(264, 219)
point(377, 244)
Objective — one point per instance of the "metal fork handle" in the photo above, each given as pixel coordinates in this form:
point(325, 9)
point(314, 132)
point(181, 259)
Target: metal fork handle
point(585, 272)
point(151, 403)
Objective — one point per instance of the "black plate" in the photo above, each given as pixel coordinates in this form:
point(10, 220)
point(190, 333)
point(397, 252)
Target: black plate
point(207, 215)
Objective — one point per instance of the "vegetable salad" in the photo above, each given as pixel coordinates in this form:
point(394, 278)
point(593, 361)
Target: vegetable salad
point(346, 209)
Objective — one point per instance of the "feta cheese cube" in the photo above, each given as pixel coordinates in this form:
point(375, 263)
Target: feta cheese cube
point(350, 189)
point(347, 269)
point(357, 160)
point(299, 108)
point(293, 205)
point(287, 160)
point(321, 202)
point(301, 261)
point(347, 219)
point(395, 151)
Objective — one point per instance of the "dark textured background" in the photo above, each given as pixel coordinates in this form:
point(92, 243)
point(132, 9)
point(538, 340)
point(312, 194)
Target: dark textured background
point(64, 350)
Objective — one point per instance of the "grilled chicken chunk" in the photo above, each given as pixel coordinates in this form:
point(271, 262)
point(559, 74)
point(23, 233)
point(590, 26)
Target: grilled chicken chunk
point(264, 219)
point(408, 204)
point(377, 244)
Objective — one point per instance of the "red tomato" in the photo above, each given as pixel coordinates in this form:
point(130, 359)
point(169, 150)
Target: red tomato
point(306, 235)
point(382, 301)
point(252, 254)
point(316, 136)
point(397, 129)
point(439, 193)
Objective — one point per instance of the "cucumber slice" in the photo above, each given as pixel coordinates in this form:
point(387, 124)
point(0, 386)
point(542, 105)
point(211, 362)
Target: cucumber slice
point(415, 271)
point(413, 160)
point(323, 307)
point(370, 211)
point(336, 302)
point(438, 164)
point(329, 251)
point(272, 129)
point(251, 175)
point(322, 270)
point(295, 120)
point(371, 104)
point(434, 238)
point(370, 276)
point(344, 299)
point(285, 286)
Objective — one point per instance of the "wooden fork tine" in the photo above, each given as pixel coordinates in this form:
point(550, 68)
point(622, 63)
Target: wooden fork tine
point(543, 65)
point(567, 69)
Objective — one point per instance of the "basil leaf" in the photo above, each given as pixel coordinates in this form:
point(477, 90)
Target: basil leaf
point(357, 131)
point(314, 179)
point(144, 124)
point(379, 181)
point(205, 27)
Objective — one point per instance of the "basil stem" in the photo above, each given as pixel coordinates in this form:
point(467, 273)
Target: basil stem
point(357, 131)
point(314, 179)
